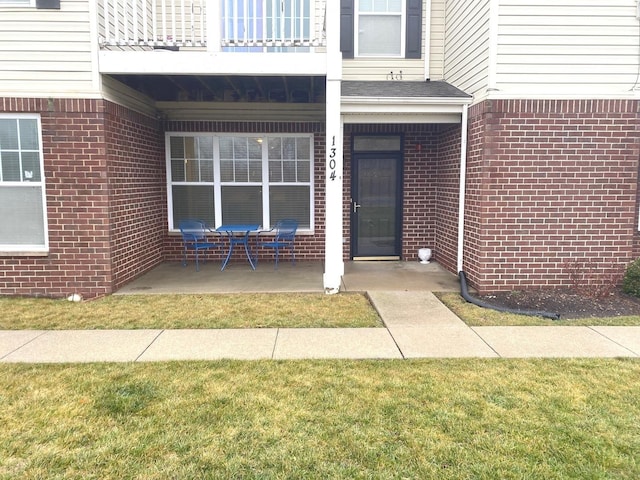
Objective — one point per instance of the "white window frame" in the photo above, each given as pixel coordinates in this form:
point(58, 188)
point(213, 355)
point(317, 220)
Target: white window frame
point(217, 184)
point(29, 249)
point(356, 30)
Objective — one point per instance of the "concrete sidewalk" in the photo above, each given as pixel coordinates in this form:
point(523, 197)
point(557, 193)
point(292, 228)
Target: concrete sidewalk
point(417, 325)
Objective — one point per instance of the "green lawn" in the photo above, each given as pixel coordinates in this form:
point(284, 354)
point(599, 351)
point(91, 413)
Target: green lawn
point(427, 419)
point(257, 310)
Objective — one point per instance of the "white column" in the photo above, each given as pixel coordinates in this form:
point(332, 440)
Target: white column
point(333, 240)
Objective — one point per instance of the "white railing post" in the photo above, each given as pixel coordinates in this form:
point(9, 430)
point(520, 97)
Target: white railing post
point(154, 21)
point(163, 24)
point(105, 12)
point(145, 24)
point(116, 23)
point(183, 22)
point(125, 23)
point(173, 22)
point(135, 35)
point(254, 20)
point(193, 23)
point(214, 24)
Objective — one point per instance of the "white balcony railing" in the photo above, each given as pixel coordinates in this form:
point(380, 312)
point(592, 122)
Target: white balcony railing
point(215, 25)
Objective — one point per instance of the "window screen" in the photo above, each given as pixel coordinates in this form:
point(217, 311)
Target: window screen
point(22, 193)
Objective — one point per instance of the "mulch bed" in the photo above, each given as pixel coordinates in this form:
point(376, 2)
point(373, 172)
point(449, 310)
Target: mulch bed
point(567, 303)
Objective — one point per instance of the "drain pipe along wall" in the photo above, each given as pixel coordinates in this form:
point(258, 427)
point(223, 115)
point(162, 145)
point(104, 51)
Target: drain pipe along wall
point(463, 180)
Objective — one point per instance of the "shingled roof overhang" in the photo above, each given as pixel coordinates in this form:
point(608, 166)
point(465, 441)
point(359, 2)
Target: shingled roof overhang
point(402, 102)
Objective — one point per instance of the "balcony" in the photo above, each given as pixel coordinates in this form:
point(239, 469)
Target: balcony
point(212, 37)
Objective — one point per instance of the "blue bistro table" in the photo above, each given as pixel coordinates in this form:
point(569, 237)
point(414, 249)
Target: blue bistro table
point(238, 235)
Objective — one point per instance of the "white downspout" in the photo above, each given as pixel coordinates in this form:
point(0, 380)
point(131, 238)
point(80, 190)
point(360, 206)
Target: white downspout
point(463, 179)
point(427, 41)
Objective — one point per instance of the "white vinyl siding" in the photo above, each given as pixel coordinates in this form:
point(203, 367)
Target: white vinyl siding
point(380, 69)
point(436, 40)
point(466, 50)
point(570, 47)
point(46, 52)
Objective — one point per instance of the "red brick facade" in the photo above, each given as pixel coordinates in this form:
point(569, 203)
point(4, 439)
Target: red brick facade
point(548, 183)
point(137, 192)
point(104, 192)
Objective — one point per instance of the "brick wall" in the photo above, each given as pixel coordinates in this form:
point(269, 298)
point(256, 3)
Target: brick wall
point(137, 192)
point(550, 183)
point(75, 170)
point(104, 179)
point(448, 193)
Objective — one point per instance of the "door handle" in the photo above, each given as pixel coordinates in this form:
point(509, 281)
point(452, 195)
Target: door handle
point(356, 206)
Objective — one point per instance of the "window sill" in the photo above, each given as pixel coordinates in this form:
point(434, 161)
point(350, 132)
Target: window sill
point(307, 232)
point(21, 253)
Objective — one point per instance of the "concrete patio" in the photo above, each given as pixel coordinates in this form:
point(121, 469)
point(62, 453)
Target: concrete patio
point(172, 277)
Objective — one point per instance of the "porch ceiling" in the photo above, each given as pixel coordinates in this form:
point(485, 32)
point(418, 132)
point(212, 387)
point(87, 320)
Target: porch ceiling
point(210, 88)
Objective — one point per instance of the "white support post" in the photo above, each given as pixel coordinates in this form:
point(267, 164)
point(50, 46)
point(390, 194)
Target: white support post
point(333, 261)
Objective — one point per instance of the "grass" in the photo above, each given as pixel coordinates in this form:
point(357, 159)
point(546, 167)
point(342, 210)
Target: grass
point(427, 419)
point(285, 310)
point(293, 310)
point(475, 316)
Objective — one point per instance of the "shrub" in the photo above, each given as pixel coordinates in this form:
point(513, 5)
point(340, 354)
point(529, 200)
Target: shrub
point(631, 280)
point(591, 280)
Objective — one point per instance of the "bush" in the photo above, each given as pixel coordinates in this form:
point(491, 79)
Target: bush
point(631, 280)
point(591, 280)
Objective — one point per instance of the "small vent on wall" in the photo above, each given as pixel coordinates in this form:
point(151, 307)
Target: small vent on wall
point(48, 4)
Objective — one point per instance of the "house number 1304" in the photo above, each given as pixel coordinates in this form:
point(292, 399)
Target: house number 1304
point(332, 159)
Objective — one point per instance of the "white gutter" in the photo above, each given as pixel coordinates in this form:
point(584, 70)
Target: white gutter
point(415, 100)
point(427, 40)
point(463, 179)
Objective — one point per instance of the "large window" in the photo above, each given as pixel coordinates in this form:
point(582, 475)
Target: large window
point(380, 27)
point(240, 178)
point(22, 193)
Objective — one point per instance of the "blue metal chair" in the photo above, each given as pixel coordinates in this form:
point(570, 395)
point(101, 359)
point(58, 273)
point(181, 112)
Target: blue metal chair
point(285, 236)
point(194, 237)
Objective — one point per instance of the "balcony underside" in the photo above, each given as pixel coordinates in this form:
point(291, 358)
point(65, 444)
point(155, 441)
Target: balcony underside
point(168, 62)
point(231, 89)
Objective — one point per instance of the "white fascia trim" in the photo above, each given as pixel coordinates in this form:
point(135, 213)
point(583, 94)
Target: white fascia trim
point(208, 63)
point(507, 95)
point(386, 118)
point(407, 100)
point(402, 105)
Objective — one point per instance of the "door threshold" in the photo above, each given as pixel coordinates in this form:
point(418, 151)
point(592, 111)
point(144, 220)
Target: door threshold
point(391, 258)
